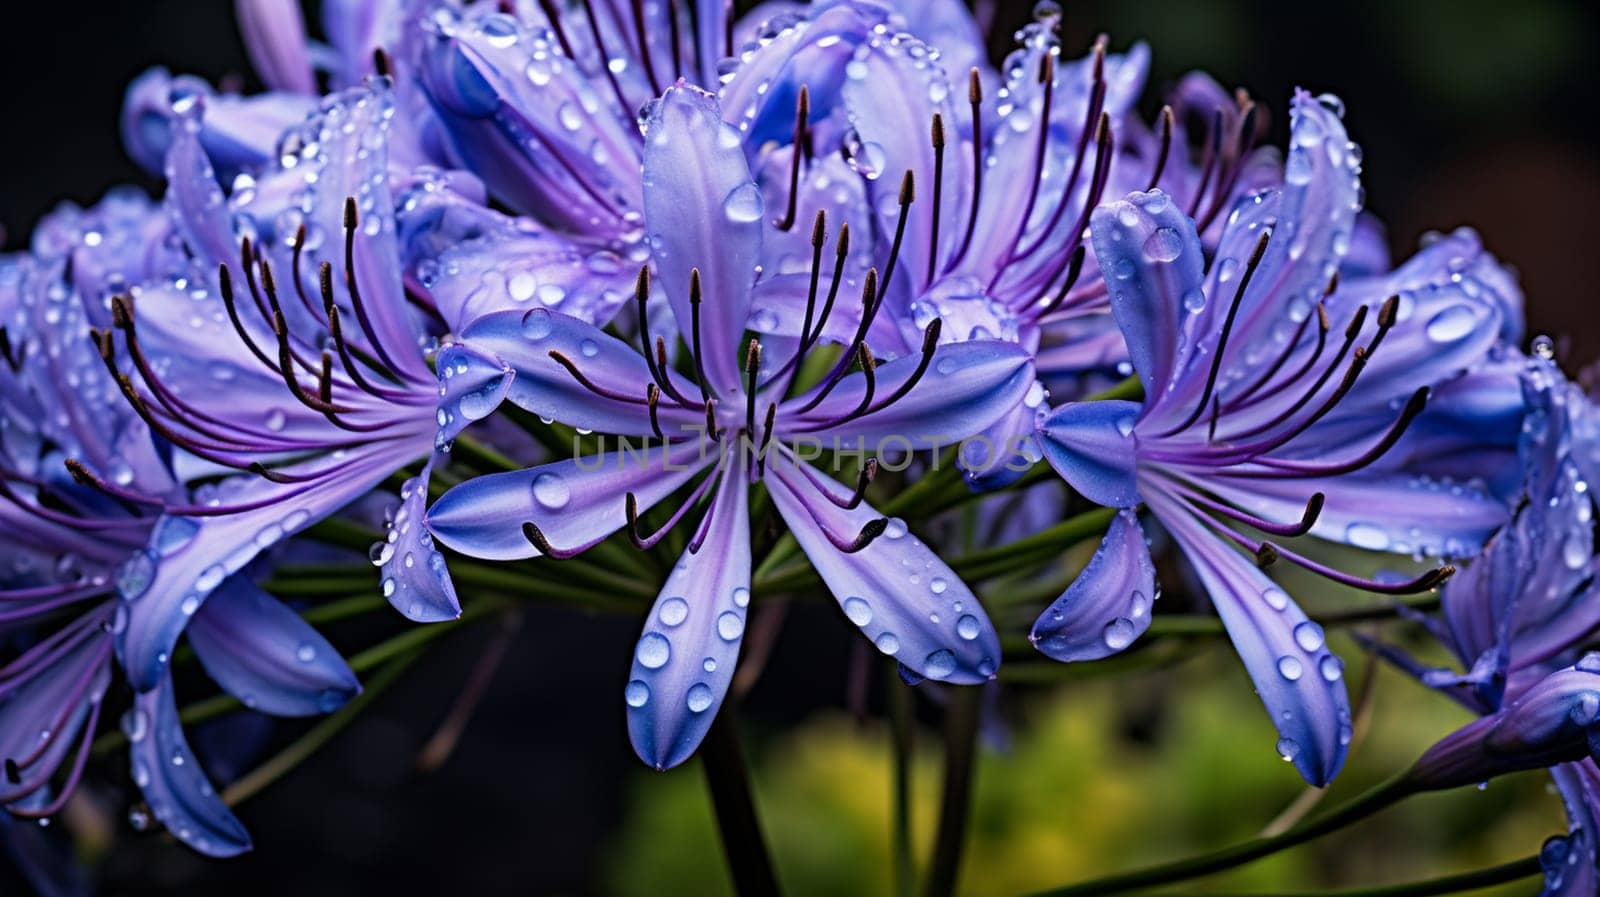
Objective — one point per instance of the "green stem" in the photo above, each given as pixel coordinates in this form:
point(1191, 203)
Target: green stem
point(282, 763)
point(728, 779)
point(482, 456)
point(1364, 805)
point(900, 735)
point(960, 750)
point(1042, 545)
point(411, 639)
point(1516, 870)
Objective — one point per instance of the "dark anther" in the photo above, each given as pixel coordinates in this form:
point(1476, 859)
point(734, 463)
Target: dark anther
point(13, 773)
point(1266, 555)
point(381, 62)
point(1166, 147)
point(532, 533)
point(752, 370)
point(908, 195)
point(869, 534)
point(652, 398)
point(267, 473)
point(6, 351)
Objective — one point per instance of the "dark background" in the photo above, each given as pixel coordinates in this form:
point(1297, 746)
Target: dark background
point(1481, 113)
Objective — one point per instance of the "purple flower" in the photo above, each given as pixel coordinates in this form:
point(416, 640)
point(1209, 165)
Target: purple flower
point(1253, 371)
point(732, 423)
point(85, 498)
point(287, 353)
point(1517, 617)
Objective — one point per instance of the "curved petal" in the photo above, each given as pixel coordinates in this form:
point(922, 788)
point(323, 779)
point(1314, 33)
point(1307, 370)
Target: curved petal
point(262, 653)
point(416, 579)
point(239, 133)
point(172, 781)
point(906, 600)
point(1108, 605)
point(1377, 510)
point(274, 35)
point(527, 119)
point(1299, 680)
point(1154, 268)
point(892, 92)
point(1312, 219)
point(966, 387)
point(575, 503)
point(686, 657)
point(1091, 445)
point(473, 260)
point(545, 386)
point(472, 384)
point(702, 211)
point(165, 585)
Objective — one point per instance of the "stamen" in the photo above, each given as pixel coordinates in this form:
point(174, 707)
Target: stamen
point(1212, 156)
point(1308, 517)
point(1227, 328)
point(711, 419)
point(225, 280)
point(937, 137)
point(869, 304)
point(1351, 331)
point(274, 476)
point(1245, 143)
point(908, 195)
point(1047, 77)
point(666, 377)
point(766, 439)
point(975, 101)
point(869, 534)
point(578, 375)
point(930, 345)
point(752, 369)
point(1074, 269)
point(631, 509)
point(83, 476)
point(553, 16)
point(1095, 112)
point(605, 54)
point(1413, 407)
point(658, 367)
point(1166, 147)
point(819, 236)
point(350, 225)
point(841, 251)
point(299, 285)
point(694, 314)
point(652, 397)
point(532, 533)
point(869, 472)
point(869, 370)
point(801, 114)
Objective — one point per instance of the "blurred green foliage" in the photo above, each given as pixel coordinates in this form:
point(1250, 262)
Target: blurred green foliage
point(1093, 777)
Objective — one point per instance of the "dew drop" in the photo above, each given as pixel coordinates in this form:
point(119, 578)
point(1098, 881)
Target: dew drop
point(637, 694)
point(940, 664)
point(551, 491)
point(857, 609)
point(654, 650)
point(674, 611)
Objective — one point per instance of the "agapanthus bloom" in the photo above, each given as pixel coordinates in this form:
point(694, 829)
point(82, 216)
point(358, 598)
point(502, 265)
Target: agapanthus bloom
point(286, 352)
point(91, 505)
point(1519, 618)
point(733, 419)
point(1254, 369)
